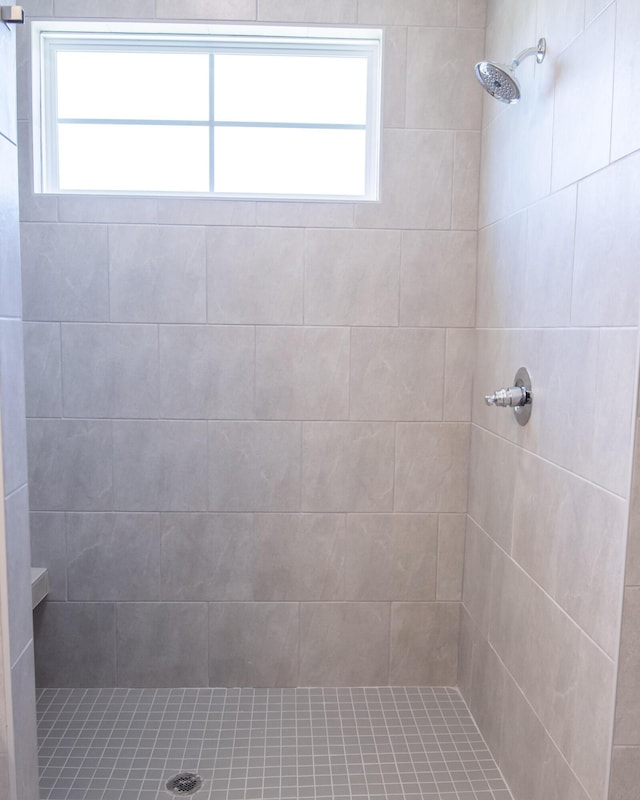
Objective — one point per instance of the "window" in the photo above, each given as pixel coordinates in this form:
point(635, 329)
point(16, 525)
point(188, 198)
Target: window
point(231, 111)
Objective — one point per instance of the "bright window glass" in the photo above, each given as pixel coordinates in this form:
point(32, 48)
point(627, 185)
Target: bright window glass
point(240, 111)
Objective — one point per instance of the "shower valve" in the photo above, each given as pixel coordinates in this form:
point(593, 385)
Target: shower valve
point(518, 396)
point(513, 396)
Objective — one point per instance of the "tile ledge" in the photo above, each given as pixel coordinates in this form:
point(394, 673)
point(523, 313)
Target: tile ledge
point(39, 585)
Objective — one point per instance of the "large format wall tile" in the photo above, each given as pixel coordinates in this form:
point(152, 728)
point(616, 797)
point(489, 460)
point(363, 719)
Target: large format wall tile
point(42, 369)
point(24, 723)
point(347, 466)
point(431, 461)
point(334, 11)
point(397, 373)
point(208, 9)
point(606, 284)
point(110, 370)
point(254, 466)
point(159, 465)
point(253, 644)
point(65, 272)
point(407, 12)
point(302, 373)
point(10, 283)
point(625, 132)
point(18, 554)
point(162, 644)
point(416, 183)
point(206, 557)
point(627, 730)
point(438, 287)
point(70, 465)
point(254, 275)
point(352, 277)
point(88, 657)
point(584, 89)
point(157, 274)
point(438, 59)
point(451, 541)
point(113, 557)
point(49, 549)
point(12, 403)
point(391, 557)
point(206, 372)
point(424, 644)
point(344, 644)
point(298, 557)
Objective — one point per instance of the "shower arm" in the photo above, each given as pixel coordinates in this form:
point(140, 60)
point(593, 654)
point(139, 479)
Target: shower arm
point(538, 51)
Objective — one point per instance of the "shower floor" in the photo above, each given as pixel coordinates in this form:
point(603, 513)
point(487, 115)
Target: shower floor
point(263, 744)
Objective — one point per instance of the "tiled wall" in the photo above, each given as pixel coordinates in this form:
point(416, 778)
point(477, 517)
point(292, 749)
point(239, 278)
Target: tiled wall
point(558, 291)
point(625, 767)
point(18, 765)
point(249, 421)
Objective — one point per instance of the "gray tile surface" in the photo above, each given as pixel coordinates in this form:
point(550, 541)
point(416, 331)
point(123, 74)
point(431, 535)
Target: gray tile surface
point(276, 744)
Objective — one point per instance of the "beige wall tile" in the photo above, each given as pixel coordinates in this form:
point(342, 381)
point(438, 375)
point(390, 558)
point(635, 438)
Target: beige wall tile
point(254, 466)
point(472, 13)
point(430, 466)
point(285, 214)
point(395, 77)
point(451, 540)
point(627, 730)
point(197, 211)
point(344, 644)
point(302, 373)
point(207, 9)
point(501, 273)
point(458, 374)
point(407, 12)
point(254, 275)
point(549, 260)
point(206, 557)
point(486, 693)
point(438, 59)
point(625, 132)
point(438, 278)
point(347, 466)
point(625, 773)
point(632, 577)
point(476, 589)
point(298, 557)
point(104, 8)
point(561, 22)
point(397, 373)
point(491, 500)
point(616, 389)
point(424, 644)
point(572, 544)
point(334, 11)
point(584, 81)
point(417, 182)
point(606, 281)
point(352, 277)
point(253, 644)
point(466, 180)
point(391, 557)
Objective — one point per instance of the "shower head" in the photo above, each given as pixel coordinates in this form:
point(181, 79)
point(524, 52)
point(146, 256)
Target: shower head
point(500, 81)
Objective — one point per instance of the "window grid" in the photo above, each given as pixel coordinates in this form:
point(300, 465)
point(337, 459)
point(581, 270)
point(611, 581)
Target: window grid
point(51, 45)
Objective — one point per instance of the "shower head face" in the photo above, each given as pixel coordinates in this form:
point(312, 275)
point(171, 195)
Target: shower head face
point(499, 81)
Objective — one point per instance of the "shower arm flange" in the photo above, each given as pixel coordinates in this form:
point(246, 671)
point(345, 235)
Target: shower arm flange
point(539, 51)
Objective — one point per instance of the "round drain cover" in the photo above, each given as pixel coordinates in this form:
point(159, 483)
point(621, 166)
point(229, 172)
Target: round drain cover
point(184, 784)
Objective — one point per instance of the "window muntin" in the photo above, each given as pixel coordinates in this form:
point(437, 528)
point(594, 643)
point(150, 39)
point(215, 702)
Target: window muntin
point(228, 112)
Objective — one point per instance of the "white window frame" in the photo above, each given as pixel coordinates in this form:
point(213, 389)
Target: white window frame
point(50, 37)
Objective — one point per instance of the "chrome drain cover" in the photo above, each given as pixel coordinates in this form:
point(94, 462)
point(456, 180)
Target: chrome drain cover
point(184, 784)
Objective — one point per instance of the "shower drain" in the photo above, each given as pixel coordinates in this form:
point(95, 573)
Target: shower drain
point(184, 784)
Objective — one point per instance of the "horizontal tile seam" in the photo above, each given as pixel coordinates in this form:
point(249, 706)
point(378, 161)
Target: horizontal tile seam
point(548, 461)
point(565, 613)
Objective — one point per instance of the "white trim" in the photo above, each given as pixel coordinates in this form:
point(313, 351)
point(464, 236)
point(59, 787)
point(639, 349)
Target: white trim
point(49, 38)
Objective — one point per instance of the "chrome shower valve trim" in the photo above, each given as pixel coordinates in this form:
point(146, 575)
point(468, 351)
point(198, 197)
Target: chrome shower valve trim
point(518, 396)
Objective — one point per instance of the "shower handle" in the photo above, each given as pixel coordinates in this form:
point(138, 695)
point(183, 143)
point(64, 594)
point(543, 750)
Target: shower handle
point(518, 397)
point(513, 396)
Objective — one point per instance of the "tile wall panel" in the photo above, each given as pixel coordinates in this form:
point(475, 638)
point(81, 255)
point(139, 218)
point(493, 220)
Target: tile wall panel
point(265, 405)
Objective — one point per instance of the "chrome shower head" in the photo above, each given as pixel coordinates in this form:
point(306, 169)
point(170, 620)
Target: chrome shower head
point(500, 81)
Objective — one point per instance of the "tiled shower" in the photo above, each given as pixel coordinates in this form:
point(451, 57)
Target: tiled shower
point(309, 567)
